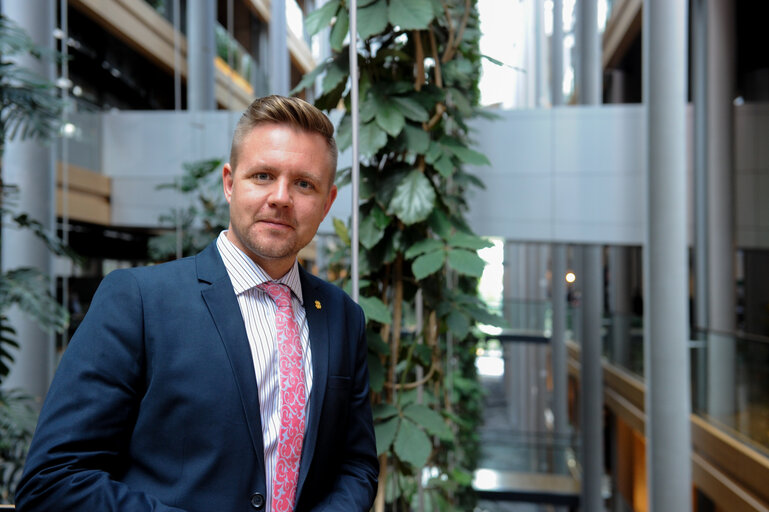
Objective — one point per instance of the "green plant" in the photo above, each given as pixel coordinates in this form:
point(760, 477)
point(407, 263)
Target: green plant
point(419, 65)
point(207, 214)
point(28, 109)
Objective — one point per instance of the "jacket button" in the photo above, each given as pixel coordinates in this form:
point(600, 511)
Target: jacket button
point(257, 501)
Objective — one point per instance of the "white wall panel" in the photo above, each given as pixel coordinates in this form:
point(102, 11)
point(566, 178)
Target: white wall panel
point(590, 163)
point(605, 139)
point(570, 174)
point(519, 141)
point(141, 150)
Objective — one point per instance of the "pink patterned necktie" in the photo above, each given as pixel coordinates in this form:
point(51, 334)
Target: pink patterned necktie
point(292, 399)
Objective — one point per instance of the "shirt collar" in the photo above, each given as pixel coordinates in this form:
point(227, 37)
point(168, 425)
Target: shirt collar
point(246, 274)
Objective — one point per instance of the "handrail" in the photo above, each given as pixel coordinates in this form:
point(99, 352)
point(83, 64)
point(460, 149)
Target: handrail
point(749, 336)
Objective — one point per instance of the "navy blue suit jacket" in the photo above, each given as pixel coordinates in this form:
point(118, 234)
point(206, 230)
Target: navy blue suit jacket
point(155, 407)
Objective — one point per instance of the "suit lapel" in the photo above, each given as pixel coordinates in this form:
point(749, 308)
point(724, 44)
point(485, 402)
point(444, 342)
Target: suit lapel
point(219, 296)
point(319, 343)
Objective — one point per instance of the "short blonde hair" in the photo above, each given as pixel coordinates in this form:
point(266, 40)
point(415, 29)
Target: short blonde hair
point(282, 110)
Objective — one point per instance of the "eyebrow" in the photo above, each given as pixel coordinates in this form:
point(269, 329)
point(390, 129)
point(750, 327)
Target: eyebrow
point(269, 168)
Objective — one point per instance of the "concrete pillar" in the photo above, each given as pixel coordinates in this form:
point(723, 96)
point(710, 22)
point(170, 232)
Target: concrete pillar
point(539, 68)
point(620, 304)
point(29, 165)
point(511, 353)
point(280, 63)
point(201, 50)
point(589, 59)
point(616, 92)
point(556, 55)
point(558, 267)
point(699, 52)
point(558, 347)
point(720, 207)
point(589, 93)
point(591, 382)
point(666, 368)
point(536, 299)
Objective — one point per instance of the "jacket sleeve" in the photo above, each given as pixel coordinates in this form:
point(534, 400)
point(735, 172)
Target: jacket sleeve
point(355, 487)
point(80, 447)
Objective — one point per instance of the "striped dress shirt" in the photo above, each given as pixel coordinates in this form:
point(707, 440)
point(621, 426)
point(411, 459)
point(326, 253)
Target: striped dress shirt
point(258, 311)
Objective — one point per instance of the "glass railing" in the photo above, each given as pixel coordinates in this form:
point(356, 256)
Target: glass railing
point(527, 315)
point(730, 384)
point(227, 47)
point(729, 375)
point(233, 53)
point(729, 372)
point(623, 341)
point(503, 450)
point(505, 446)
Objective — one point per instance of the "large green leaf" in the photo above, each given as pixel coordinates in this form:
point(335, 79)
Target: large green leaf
point(417, 140)
point(411, 14)
point(428, 264)
point(372, 19)
point(320, 17)
point(458, 324)
point(376, 344)
point(430, 420)
point(370, 233)
point(341, 231)
point(461, 103)
point(376, 373)
point(344, 134)
point(466, 262)
point(469, 156)
point(329, 100)
point(335, 74)
point(412, 445)
point(375, 309)
point(423, 246)
point(309, 78)
point(385, 434)
point(390, 118)
point(484, 316)
point(340, 30)
point(411, 108)
point(444, 165)
point(434, 152)
point(393, 246)
point(383, 411)
point(371, 138)
point(440, 223)
point(414, 198)
point(468, 241)
point(369, 106)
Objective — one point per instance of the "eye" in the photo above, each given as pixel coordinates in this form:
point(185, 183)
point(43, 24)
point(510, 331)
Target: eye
point(305, 184)
point(261, 176)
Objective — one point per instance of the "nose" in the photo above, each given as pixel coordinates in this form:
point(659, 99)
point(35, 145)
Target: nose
point(280, 195)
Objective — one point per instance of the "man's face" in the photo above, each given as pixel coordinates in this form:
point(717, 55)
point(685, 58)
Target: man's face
point(278, 195)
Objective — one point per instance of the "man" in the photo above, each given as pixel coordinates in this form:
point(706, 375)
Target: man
point(204, 384)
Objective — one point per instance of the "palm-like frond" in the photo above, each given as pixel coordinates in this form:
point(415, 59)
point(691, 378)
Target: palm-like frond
point(17, 423)
point(28, 288)
point(29, 106)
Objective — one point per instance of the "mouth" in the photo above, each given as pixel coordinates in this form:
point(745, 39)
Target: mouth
point(276, 223)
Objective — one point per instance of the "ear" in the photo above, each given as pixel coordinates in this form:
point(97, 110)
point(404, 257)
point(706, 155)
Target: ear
point(227, 179)
point(329, 200)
